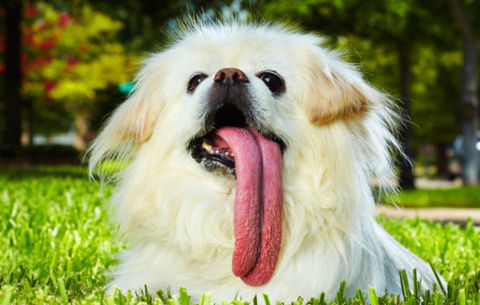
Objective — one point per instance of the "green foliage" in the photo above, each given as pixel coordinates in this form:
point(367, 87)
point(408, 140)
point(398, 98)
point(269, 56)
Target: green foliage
point(468, 196)
point(67, 59)
point(56, 244)
point(435, 91)
point(147, 23)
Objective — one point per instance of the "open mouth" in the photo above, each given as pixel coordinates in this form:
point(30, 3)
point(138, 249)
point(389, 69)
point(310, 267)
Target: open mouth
point(213, 152)
point(255, 160)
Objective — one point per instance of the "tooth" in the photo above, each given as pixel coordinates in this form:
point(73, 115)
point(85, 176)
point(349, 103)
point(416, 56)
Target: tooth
point(207, 147)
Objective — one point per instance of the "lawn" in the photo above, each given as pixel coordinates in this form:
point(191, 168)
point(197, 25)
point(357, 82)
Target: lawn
point(451, 197)
point(55, 245)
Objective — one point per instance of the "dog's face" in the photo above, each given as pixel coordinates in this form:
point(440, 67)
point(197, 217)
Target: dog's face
point(255, 121)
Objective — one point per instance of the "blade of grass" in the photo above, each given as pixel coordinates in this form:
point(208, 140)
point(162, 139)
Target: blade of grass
point(462, 300)
point(184, 297)
point(267, 300)
point(63, 292)
point(372, 295)
point(7, 294)
point(360, 297)
point(438, 299)
point(439, 281)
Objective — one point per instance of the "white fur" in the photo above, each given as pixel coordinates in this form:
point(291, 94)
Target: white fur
point(178, 218)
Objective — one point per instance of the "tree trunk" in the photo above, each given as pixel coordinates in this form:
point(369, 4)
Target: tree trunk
point(442, 159)
point(469, 100)
point(30, 118)
point(406, 177)
point(83, 133)
point(13, 15)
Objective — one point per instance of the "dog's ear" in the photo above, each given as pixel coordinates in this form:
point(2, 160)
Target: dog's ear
point(337, 90)
point(133, 122)
point(130, 125)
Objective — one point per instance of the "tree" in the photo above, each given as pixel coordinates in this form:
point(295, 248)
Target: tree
point(147, 23)
point(436, 79)
point(58, 80)
point(65, 60)
point(469, 99)
point(13, 12)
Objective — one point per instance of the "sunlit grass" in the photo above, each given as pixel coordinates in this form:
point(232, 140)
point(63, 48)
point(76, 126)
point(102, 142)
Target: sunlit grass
point(56, 244)
point(468, 196)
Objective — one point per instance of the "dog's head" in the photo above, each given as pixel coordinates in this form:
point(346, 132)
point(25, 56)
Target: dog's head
point(261, 110)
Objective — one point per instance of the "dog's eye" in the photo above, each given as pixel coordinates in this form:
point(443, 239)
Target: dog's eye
point(273, 81)
point(195, 81)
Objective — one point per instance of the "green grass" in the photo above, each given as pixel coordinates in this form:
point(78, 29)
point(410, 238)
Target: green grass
point(452, 197)
point(55, 245)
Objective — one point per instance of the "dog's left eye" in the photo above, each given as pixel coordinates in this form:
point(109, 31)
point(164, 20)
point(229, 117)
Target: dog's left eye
point(273, 81)
point(195, 81)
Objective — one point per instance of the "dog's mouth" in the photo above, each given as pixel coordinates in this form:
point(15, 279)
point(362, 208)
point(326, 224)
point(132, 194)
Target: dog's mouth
point(213, 152)
point(235, 147)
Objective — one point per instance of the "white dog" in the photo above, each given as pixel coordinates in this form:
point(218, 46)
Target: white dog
point(250, 150)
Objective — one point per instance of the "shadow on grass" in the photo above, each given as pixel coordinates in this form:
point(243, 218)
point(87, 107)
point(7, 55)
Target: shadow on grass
point(27, 172)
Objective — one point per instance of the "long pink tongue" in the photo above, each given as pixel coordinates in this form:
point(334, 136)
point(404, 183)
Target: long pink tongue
point(258, 204)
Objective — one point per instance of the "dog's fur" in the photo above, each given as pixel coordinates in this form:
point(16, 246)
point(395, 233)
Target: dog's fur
point(177, 217)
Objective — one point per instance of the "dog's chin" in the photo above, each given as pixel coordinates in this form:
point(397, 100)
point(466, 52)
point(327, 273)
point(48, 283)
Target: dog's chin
point(211, 151)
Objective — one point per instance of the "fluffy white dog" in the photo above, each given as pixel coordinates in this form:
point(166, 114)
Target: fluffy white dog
point(250, 150)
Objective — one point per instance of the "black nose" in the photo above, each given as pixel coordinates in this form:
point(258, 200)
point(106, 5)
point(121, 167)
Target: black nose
point(230, 76)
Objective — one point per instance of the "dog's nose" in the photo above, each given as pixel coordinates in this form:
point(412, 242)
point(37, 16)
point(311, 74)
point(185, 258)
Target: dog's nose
point(230, 76)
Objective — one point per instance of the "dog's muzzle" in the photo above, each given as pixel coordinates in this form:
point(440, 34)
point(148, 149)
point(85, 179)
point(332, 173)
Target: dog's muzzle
point(229, 105)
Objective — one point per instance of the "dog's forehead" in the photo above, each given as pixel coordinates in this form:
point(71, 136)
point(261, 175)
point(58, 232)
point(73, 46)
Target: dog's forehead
point(246, 47)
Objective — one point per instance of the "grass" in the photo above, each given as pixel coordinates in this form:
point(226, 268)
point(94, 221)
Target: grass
point(460, 197)
point(55, 245)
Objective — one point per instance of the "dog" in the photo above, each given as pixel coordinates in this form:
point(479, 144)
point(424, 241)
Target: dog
point(249, 153)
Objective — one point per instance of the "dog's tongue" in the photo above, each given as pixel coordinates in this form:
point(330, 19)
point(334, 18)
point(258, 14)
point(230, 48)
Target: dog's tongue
point(258, 204)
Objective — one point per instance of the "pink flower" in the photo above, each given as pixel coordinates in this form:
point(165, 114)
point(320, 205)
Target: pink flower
point(48, 85)
point(63, 20)
point(41, 61)
point(46, 44)
point(31, 11)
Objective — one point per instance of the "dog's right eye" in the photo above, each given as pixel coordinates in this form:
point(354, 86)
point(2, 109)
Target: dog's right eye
point(195, 81)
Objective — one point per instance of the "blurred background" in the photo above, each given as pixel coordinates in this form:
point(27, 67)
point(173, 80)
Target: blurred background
point(65, 65)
